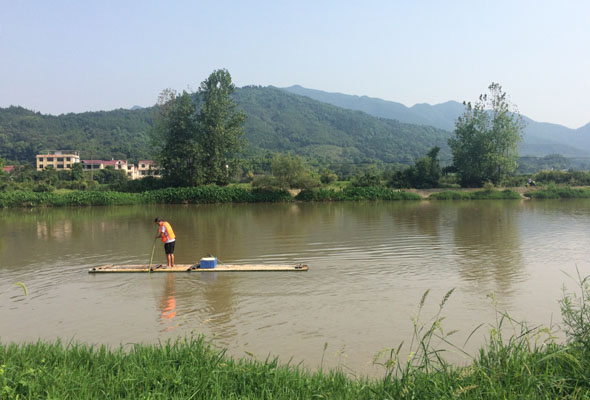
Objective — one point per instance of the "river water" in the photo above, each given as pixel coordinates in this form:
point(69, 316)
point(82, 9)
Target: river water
point(370, 263)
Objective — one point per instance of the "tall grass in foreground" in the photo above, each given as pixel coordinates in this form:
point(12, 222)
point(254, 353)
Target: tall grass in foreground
point(528, 364)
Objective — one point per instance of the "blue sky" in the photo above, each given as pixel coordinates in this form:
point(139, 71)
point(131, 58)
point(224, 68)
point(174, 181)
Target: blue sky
point(74, 56)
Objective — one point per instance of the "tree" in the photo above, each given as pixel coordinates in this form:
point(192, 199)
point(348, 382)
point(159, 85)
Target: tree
point(77, 172)
point(426, 171)
point(486, 136)
point(291, 172)
point(221, 127)
point(199, 146)
point(111, 176)
point(176, 132)
point(371, 176)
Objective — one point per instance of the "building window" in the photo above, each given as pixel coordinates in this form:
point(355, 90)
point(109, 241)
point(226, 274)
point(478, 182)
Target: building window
point(60, 159)
point(58, 166)
point(69, 166)
point(68, 159)
point(49, 159)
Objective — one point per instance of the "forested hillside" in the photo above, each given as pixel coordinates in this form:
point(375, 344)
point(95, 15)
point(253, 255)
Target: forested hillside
point(539, 138)
point(283, 122)
point(102, 135)
point(276, 122)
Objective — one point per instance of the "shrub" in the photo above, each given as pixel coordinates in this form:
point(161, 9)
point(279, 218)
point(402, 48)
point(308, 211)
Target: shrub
point(490, 194)
point(328, 177)
point(355, 193)
point(371, 177)
point(43, 187)
point(265, 181)
point(554, 192)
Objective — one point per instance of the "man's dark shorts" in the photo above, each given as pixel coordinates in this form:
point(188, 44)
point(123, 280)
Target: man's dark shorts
point(169, 247)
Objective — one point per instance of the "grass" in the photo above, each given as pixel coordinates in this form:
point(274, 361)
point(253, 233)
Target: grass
point(559, 192)
point(486, 194)
point(528, 364)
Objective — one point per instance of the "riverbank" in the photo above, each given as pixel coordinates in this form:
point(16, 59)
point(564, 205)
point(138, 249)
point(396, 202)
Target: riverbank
point(239, 194)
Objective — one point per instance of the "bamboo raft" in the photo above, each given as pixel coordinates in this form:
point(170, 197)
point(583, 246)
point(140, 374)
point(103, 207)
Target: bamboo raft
point(196, 268)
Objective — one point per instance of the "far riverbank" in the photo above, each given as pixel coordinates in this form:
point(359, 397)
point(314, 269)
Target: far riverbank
point(212, 194)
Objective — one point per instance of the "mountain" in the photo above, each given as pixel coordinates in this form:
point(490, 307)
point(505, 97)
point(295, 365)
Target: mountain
point(539, 138)
point(120, 134)
point(282, 122)
point(277, 121)
point(357, 129)
point(441, 116)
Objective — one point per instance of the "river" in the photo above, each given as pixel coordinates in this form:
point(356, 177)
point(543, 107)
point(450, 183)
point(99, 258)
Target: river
point(370, 263)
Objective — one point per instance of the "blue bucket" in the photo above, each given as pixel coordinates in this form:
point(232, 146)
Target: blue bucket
point(208, 262)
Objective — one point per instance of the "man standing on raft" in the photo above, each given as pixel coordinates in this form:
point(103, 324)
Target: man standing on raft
point(167, 234)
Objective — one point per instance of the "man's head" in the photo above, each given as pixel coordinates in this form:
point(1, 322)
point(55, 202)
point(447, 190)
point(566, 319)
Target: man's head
point(158, 220)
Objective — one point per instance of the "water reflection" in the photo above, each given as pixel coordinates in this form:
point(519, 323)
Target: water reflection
point(488, 244)
point(218, 306)
point(167, 303)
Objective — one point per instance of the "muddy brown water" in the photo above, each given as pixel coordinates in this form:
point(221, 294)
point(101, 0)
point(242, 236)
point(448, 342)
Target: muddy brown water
point(370, 263)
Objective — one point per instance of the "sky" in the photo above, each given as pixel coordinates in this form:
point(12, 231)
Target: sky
point(74, 56)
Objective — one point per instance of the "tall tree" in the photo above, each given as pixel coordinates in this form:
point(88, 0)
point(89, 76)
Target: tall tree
point(221, 127)
point(198, 146)
point(485, 140)
point(176, 133)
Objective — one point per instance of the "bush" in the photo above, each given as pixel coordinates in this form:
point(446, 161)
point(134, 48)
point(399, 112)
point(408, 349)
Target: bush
point(144, 184)
point(266, 182)
point(554, 192)
point(214, 194)
point(449, 181)
point(328, 177)
point(515, 181)
point(398, 179)
point(371, 177)
point(489, 194)
point(572, 178)
point(356, 193)
point(43, 187)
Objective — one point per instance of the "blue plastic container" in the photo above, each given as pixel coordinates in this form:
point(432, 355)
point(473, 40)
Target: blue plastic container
point(208, 262)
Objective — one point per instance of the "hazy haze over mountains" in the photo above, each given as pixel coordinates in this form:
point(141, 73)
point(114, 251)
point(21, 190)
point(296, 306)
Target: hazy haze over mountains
point(539, 139)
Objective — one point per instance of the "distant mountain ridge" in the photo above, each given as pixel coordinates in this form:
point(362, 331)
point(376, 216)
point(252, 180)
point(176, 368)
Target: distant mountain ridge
point(540, 138)
point(441, 116)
